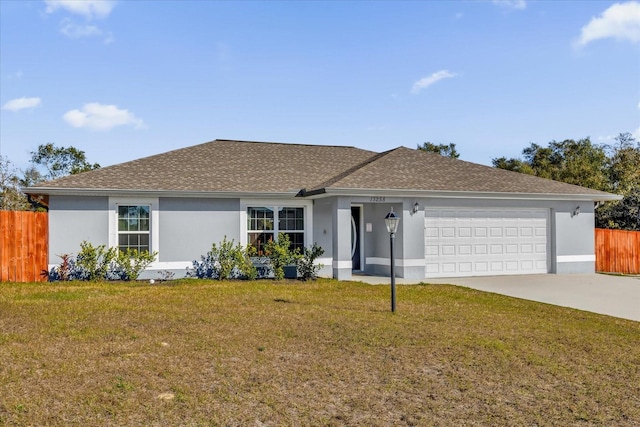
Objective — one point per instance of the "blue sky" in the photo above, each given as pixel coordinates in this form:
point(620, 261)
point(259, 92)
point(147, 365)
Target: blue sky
point(127, 79)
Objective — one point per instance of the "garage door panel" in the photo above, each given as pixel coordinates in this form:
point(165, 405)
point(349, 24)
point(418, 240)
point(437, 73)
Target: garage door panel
point(511, 266)
point(526, 249)
point(472, 242)
point(511, 232)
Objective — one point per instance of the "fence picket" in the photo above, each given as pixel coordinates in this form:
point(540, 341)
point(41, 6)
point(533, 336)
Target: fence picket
point(617, 251)
point(24, 246)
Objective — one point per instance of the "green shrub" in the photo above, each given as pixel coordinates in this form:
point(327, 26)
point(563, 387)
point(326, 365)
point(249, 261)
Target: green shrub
point(307, 269)
point(130, 263)
point(232, 261)
point(280, 255)
point(95, 261)
point(225, 261)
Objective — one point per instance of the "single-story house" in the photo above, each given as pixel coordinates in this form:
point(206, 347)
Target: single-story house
point(457, 218)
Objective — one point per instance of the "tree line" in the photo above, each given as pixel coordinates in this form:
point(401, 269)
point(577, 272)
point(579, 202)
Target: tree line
point(613, 168)
point(48, 162)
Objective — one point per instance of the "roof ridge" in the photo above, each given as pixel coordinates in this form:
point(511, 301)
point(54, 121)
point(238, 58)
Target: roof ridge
point(286, 143)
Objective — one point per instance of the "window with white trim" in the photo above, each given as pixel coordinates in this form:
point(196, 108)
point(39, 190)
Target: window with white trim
point(264, 223)
point(134, 227)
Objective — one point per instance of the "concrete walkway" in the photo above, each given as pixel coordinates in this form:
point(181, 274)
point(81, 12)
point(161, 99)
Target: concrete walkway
point(617, 296)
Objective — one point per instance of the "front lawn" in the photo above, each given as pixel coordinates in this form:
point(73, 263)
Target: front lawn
point(206, 353)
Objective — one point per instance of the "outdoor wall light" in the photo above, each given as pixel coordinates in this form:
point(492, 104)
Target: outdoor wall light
point(392, 221)
point(576, 211)
point(416, 208)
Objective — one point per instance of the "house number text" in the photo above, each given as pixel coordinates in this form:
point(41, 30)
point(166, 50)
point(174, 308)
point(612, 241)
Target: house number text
point(377, 199)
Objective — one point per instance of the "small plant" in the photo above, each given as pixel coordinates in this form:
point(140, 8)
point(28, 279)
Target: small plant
point(227, 256)
point(95, 261)
point(65, 271)
point(307, 269)
point(166, 275)
point(246, 268)
point(128, 264)
point(203, 269)
point(280, 255)
point(225, 261)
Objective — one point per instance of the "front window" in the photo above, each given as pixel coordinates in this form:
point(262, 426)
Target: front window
point(264, 224)
point(261, 227)
point(291, 222)
point(133, 227)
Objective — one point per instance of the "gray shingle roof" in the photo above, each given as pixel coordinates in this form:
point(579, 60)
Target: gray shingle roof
point(407, 169)
point(259, 167)
point(222, 166)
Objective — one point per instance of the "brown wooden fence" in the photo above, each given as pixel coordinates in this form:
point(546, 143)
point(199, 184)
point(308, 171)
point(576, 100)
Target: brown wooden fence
point(24, 246)
point(617, 251)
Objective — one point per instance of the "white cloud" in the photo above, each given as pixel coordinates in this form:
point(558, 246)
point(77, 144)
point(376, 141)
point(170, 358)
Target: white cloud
point(88, 8)
point(96, 116)
point(511, 4)
point(21, 103)
point(620, 21)
point(425, 82)
point(76, 31)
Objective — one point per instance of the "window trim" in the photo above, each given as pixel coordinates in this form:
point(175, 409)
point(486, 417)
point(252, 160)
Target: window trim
point(154, 226)
point(277, 204)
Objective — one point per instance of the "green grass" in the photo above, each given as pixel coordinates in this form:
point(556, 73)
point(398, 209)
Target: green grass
point(201, 353)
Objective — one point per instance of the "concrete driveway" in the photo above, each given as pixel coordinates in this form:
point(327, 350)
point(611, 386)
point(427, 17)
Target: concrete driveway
point(617, 296)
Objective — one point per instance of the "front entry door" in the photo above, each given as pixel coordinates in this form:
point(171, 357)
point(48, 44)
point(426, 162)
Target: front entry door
point(355, 238)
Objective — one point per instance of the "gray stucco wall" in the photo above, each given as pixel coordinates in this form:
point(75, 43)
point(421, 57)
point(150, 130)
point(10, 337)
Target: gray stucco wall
point(575, 238)
point(188, 227)
point(341, 214)
point(377, 241)
point(73, 220)
point(323, 233)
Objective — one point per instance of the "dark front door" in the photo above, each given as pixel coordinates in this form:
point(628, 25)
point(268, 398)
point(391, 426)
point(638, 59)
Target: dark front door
point(355, 238)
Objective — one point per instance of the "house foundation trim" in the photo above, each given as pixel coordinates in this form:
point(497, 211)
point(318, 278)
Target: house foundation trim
point(399, 262)
point(575, 258)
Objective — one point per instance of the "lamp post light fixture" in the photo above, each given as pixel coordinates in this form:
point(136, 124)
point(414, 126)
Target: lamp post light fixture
point(392, 221)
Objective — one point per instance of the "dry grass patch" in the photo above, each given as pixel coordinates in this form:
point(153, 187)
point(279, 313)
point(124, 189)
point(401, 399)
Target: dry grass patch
point(326, 353)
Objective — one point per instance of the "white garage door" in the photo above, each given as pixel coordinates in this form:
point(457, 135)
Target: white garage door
point(483, 242)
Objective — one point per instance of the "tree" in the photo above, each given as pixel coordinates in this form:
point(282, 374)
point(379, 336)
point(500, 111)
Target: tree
point(622, 214)
point(11, 198)
point(624, 177)
point(624, 164)
point(60, 161)
point(515, 165)
point(614, 168)
point(575, 162)
point(446, 150)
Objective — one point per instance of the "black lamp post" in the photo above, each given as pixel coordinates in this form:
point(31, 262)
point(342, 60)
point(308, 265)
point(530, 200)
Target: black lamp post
point(392, 221)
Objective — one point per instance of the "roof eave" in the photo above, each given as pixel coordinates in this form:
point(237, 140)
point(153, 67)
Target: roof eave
point(115, 192)
point(328, 192)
